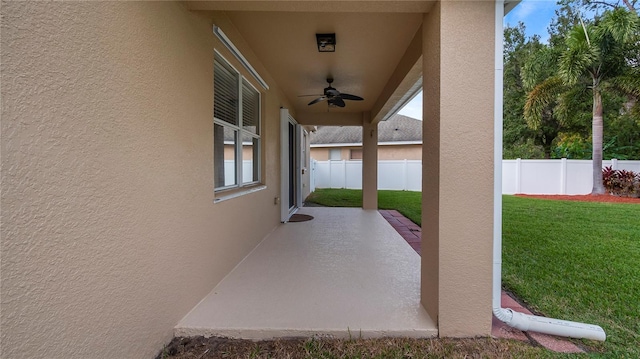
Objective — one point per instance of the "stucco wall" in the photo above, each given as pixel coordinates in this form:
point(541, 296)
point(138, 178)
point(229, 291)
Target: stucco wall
point(109, 231)
point(319, 153)
point(400, 152)
point(390, 152)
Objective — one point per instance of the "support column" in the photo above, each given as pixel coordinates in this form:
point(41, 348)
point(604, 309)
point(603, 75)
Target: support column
point(369, 163)
point(431, 162)
point(457, 185)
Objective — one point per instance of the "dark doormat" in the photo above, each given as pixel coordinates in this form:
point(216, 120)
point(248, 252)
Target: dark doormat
point(300, 217)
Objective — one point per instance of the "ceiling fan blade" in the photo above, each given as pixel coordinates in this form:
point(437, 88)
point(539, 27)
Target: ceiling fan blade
point(315, 94)
point(338, 102)
point(346, 96)
point(322, 98)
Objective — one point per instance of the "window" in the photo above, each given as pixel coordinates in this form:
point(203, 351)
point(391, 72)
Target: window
point(236, 129)
point(335, 154)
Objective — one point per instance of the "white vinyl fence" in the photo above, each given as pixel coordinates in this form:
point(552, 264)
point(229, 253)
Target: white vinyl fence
point(518, 176)
point(397, 175)
point(230, 172)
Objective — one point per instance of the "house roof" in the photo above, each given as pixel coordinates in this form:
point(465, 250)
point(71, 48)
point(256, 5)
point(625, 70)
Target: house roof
point(398, 128)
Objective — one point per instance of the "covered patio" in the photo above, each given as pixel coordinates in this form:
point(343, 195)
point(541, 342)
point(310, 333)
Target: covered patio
point(337, 274)
point(345, 273)
point(122, 221)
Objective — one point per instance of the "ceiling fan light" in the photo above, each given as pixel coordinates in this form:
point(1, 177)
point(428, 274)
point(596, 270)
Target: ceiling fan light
point(326, 42)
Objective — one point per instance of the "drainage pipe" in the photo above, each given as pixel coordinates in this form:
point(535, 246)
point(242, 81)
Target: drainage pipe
point(514, 319)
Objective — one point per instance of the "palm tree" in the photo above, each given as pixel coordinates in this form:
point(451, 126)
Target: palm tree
point(595, 56)
point(544, 90)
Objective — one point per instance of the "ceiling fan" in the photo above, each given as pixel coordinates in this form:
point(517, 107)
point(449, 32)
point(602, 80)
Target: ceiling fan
point(333, 97)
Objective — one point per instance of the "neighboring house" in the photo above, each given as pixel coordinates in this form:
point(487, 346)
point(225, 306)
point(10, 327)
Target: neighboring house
point(399, 138)
point(117, 215)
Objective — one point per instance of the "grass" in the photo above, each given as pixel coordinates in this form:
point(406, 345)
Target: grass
point(569, 260)
point(406, 202)
point(577, 261)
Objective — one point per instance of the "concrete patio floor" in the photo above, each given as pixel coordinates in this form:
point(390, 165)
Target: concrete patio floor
point(346, 273)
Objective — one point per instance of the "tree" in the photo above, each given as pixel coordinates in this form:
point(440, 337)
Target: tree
point(552, 109)
point(630, 5)
point(595, 57)
point(566, 18)
point(526, 62)
point(518, 138)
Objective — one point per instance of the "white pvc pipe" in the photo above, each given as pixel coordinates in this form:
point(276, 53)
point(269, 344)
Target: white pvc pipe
point(514, 319)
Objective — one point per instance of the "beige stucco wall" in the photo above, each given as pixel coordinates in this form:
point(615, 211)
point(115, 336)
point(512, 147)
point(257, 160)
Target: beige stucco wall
point(229, 152)
point(109, 232)
point(457, 197)
point(320, 153)
point(400, 152)
point(385, 152)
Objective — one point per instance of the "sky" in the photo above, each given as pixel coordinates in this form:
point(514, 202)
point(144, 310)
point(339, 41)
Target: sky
point(536, 16)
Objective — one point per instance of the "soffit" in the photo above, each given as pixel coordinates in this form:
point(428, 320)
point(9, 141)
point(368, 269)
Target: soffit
point(359, 6)
point(372, 37)
point(369, 46)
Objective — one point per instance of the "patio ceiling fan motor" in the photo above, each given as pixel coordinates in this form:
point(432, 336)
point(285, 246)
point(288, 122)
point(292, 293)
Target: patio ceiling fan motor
point(333, 97)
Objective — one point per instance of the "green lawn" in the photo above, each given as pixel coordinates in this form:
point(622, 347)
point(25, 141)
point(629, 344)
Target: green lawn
point(569, 260)
point(406, 202)
point(577, 261)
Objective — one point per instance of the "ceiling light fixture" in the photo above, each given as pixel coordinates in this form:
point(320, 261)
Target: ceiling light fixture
point(326, 42)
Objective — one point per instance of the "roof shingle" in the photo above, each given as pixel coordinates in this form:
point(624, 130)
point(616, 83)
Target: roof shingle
point(398, 128)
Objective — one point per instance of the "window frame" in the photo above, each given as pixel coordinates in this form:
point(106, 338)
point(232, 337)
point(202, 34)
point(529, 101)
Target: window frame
point(357, 152)
point(240, 131)
point(333, 151)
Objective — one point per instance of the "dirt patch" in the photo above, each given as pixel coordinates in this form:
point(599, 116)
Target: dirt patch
point(208, 348)
point(584, 198)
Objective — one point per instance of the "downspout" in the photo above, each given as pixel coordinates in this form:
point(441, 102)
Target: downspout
point(514, 319)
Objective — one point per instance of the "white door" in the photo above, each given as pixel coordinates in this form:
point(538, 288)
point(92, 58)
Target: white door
point(291, 172)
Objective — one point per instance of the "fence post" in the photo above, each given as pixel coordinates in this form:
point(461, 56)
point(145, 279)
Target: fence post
point(614, 163)
point(312, 176)
point(344, 170)
point(405, 175)
point(563, 176)
point(518, 182)
point(330, 182)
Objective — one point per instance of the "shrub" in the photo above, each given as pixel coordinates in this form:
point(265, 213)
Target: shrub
point(621, 182)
